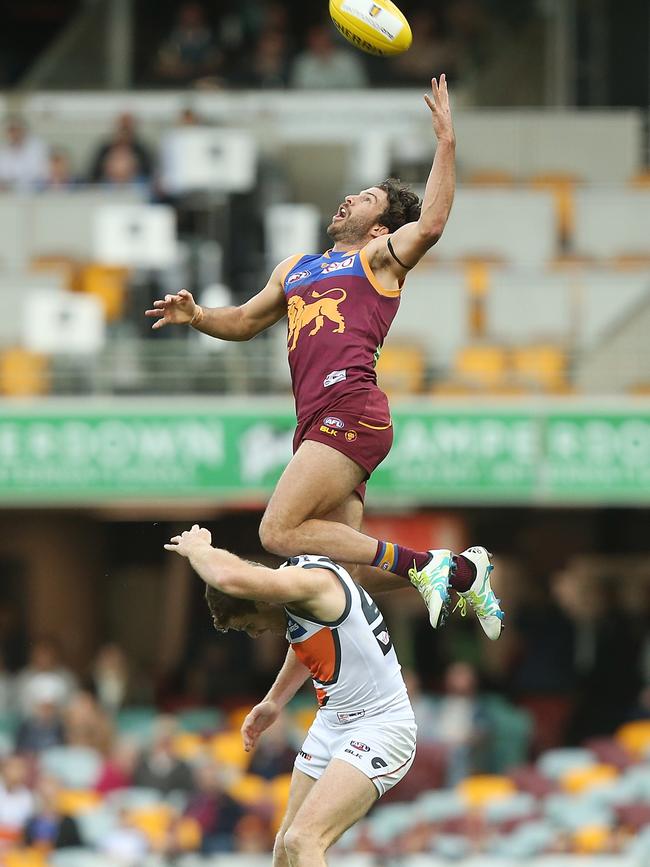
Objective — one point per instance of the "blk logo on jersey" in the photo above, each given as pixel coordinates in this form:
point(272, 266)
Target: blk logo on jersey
point(301, 314)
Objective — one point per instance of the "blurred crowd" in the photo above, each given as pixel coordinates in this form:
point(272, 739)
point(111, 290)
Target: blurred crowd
point(108, 758)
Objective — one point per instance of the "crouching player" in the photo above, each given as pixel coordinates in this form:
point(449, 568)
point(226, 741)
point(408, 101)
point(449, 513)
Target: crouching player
point(362, 741)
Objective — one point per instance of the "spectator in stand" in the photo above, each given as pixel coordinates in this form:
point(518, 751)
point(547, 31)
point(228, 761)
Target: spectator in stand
point(159, 768)
point(59, 172)
point(16, 799)
point(459, 722)
point(190, 53)
point(267, 68)
point(215, 811)
point(274, 754)
point(86, 724)
point(118, 768)
point(42, 726)
point(324, 65)
point(49, 827)
point(45, 658)
point(111, 678)
point(124, 138)
point(23, 159)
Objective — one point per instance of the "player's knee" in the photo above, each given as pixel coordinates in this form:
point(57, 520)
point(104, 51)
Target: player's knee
point(280, 858)
point(301, 842)
point(274, 537)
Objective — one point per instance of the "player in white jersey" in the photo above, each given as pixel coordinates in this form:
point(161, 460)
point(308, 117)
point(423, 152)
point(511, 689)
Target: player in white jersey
point(363, 739)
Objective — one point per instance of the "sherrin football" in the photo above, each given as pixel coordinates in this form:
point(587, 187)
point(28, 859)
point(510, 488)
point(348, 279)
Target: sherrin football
point(376, 27)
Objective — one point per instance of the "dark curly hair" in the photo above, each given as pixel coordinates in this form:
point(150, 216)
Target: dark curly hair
point(224, 608)
point(403, 205)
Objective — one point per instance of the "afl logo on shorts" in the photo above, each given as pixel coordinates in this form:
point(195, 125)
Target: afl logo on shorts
point(299, 275)
point(332, 421)
point(359, 746)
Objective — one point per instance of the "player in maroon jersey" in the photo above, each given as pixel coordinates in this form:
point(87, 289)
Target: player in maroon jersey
point(340, 306)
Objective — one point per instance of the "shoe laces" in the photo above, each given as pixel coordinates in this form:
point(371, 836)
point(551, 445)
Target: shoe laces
point(422, 583)
point(484, 604)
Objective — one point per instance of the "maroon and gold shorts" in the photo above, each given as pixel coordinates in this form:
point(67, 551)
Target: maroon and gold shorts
point(358, 427)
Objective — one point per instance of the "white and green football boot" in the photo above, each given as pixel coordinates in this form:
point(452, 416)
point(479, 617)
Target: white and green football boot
point(432, 583)
point(480, 595)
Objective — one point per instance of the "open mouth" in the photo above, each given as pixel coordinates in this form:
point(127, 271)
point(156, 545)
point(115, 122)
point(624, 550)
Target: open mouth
point(341, 214)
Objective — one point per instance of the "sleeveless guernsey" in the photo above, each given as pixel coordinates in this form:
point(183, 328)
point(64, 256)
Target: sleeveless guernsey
point(338, 318)
point(352, 661)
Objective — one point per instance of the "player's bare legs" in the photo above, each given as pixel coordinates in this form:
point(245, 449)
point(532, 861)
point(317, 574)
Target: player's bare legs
point(375, 581)
point(341, 797)
point(317, 481)
point(301, 785)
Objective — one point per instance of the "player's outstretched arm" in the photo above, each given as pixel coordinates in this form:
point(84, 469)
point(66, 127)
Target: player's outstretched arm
point(228, 323)
point(315, 589)
point(290, 678)
point(411, 242)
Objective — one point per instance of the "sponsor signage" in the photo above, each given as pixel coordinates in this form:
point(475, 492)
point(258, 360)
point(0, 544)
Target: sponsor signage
point(547, 453)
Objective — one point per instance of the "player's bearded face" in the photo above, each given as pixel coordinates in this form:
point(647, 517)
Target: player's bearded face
point(356, 216)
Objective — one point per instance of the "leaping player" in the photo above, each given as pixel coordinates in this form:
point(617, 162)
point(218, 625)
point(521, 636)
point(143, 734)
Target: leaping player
point(340, 305)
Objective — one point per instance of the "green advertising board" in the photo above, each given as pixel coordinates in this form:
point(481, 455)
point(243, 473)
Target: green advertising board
point(546, 453)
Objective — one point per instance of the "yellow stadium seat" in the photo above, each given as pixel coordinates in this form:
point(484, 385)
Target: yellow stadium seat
point(542, 366)
point(24, 858)
point(562, 186)
point(641, 180)
point(583, 779)
point(108, 285)
point(237, 716)
point(188, 745)
point(279, 789)
point(635, 737)
point(227, 749)
point(488, 178)
point(452, 388)
point(23, 373)
point(154, 822)
point(484, 788)
point(482, 365)
point(188, 834)
point(591, 840)
point(249, 790)
point(65, 266)
point(75, 801)
point(631, 262)
point(303, 718)
point(401, 369)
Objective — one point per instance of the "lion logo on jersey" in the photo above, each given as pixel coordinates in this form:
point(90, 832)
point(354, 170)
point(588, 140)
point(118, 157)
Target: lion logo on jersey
point(301, 314)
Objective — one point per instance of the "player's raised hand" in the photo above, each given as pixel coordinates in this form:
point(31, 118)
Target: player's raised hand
point(173, 310)
point(258, 720)
point(438, 102)
point(188, 541)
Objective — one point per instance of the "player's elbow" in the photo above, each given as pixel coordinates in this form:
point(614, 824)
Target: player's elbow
point(431, 232)
point(232, 583)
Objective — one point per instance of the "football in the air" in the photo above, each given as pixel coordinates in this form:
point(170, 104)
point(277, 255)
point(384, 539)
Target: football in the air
point(376, 27)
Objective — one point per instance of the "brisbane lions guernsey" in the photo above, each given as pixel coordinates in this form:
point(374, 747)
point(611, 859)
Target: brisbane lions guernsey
point(352, 661)
point(338, 318)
